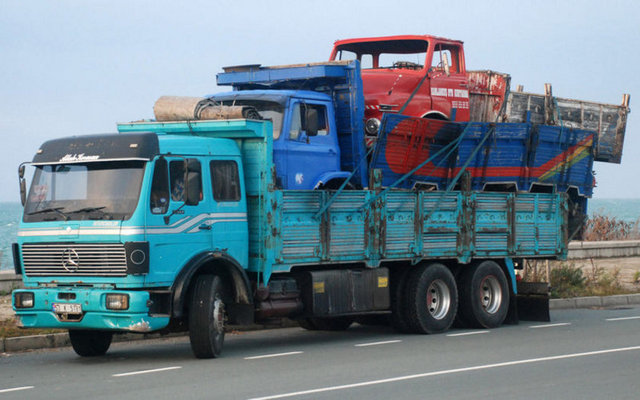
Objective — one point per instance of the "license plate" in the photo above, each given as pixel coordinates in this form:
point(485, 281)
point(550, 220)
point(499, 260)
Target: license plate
point(69, 308)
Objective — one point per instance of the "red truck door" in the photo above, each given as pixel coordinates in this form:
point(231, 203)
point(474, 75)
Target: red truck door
point(448, 83)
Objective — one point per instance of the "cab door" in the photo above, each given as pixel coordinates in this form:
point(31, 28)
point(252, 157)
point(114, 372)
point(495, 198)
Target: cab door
point(175, 228)
point(228, 210)
point(309, 154)
point(449, 83)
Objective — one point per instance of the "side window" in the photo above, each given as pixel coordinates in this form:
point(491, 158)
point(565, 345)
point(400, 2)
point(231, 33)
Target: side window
point(451, 53)
point(296, 123)
point(298, 119)
point(159, 201)
point(323, 126)
point(177, 176)
point(177, 180)
point(225, 180)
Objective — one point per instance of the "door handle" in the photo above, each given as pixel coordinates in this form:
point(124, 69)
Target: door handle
point(204, 227)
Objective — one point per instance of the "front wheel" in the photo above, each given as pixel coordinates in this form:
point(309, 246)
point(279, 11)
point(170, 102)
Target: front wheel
point(431, 298)
point(87, 343)
point(207, 317)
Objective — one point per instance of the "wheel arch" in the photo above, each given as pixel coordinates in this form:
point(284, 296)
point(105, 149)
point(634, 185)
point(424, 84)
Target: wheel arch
point(327, 177)
point(213, 262)
point(433, 114)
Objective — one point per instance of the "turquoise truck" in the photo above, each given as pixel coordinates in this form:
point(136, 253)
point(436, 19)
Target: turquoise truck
point(189, 225)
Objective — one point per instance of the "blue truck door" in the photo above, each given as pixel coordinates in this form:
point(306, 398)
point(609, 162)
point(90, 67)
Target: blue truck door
point(309, 156)
point(175, 230)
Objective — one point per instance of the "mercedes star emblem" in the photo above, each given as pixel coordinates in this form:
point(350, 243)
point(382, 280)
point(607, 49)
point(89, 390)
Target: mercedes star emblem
point(70, 260)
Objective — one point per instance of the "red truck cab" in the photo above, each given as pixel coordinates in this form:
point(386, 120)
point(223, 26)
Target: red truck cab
point(395, 67)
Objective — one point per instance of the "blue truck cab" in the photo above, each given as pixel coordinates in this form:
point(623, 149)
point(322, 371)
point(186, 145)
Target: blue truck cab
point(303, 159)
point(329, 93)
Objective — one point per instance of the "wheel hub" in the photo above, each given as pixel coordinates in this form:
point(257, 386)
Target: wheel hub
point(491, 294)
point(438, 299)
point(218, 315)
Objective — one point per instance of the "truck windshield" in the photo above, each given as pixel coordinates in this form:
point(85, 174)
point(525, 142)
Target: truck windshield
point(269, 110)
point(84, 191)
point(398, 54)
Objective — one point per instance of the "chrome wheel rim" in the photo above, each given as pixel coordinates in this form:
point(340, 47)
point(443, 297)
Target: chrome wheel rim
point(490, 294)
point(438, 299)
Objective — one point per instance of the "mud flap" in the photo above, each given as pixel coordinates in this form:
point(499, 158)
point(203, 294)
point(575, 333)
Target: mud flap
point(533, 301)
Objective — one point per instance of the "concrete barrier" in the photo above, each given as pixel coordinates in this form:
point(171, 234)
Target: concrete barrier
point(608, 249)
point(9, 281)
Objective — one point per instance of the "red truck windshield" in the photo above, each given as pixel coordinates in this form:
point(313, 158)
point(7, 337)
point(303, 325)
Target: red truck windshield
point(407, 54)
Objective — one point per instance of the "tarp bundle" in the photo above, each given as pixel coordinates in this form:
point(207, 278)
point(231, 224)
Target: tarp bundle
point(181, 108)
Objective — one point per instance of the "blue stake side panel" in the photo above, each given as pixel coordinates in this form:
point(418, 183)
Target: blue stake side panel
point(520, 154)
point(405, 225)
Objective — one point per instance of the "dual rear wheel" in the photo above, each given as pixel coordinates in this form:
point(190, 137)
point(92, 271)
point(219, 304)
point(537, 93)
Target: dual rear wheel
point(428, 298)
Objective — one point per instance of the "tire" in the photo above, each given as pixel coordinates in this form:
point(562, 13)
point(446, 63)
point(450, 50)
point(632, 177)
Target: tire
point(431, 298)
point(87, 343)
point(484, 295)
point(331, 323)
point(207, 317)
point(399, 316)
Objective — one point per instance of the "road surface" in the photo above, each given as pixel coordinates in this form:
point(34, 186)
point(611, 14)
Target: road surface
point(581, 354)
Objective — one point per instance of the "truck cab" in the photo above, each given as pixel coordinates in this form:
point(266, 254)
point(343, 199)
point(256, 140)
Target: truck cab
point(306, 151)
point(115, 226)
point(422, 75)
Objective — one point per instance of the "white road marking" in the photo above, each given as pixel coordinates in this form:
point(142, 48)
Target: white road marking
point(622, 318)
point(550, 325)
point(147, 371)
point(15, 389)
point(448, 371)
point(274, 355)
point(467, 333)
point(377, 343)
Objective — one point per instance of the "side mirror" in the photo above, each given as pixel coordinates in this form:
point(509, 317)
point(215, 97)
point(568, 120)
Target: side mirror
point(23, 185)
point(311, 121)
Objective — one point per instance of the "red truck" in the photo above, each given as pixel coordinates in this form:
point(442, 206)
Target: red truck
point(426, 76)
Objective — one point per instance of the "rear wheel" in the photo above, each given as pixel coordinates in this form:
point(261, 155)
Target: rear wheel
point(431, 298)
point(88, 343)
point(207, 317)
point(484, 298)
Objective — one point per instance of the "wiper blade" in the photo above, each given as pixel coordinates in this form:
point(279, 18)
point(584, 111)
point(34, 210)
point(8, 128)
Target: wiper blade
point(88, 210)
point(52, 209)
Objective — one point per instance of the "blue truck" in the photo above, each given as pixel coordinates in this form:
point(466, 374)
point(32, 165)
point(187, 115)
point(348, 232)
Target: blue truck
point(192, 224)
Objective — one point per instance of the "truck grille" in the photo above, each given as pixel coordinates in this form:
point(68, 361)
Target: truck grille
point(71, 259)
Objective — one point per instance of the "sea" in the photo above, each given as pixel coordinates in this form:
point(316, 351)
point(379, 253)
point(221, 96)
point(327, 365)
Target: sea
point(627, 210)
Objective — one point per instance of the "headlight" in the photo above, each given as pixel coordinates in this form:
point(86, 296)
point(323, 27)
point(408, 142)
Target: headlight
point(372, 126)
point(117, 301)
point(23, 299)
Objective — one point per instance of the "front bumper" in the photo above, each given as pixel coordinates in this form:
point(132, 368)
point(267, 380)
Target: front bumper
point(94, 313)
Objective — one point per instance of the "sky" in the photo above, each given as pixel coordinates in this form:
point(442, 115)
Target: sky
point(79, 67)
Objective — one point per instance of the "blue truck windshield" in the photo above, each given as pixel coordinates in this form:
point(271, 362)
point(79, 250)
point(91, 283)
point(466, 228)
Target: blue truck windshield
point(268, 110)
point(84, 191)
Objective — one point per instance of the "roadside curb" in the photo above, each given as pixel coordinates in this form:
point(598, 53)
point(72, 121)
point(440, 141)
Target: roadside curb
point(595, 301)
